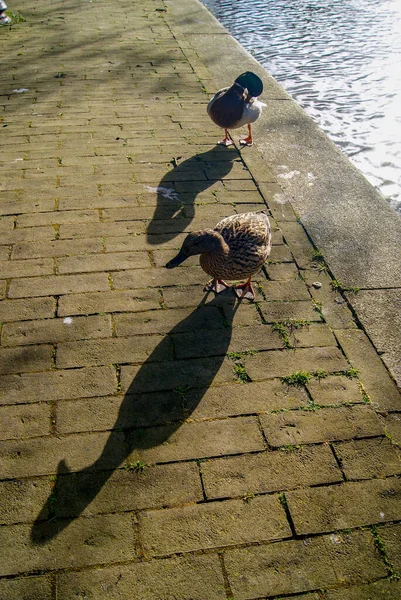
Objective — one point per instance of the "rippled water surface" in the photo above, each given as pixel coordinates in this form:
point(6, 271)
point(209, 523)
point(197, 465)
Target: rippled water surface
point(341, 60)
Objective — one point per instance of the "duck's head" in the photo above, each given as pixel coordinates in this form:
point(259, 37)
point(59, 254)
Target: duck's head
point(198, 242)
point(251, 82)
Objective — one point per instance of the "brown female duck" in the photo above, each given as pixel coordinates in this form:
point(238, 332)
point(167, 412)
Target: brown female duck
point(235, 249)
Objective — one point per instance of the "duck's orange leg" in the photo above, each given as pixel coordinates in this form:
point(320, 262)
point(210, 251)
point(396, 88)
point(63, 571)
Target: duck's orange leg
point(248, 141)
point(226, 141)
point(216, 285)
point(245, 290)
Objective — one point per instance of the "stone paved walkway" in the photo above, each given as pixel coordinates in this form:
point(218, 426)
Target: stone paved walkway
point(151, 449)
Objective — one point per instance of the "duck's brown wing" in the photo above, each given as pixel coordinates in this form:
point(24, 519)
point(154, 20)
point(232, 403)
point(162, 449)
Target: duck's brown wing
point(248, 237)
point(252, 228)
point(226, 107)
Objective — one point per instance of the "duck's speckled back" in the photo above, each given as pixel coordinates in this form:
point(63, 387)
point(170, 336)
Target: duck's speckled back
point(248, 237)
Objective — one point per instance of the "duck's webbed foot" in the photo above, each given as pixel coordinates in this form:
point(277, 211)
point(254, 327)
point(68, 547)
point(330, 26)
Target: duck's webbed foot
point(245, 290)
point(248, 141)
point(226, 141)
point(216, 286)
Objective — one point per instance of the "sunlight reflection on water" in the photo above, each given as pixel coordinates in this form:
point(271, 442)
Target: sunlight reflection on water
point(341, 61)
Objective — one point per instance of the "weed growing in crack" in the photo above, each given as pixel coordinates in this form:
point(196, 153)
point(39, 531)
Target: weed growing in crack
point(351, 373)
point(382, 551)
point(285, 328)
point(340, 287)
point(241, 373)
point(298, 378)
point(137, 467)
point(281, 329)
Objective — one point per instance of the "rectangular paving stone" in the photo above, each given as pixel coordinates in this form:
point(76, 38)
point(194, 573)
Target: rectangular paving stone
point(56, 217)
point(282, 271)
point(141, 242)
point(191, 578)
point(335, 389)
point(120, 350)
point(366, 459)
point(124, 412)
point(58, 284)
point(209, 342)
point(158, 277)
point(103, 262)
point(351, 504)
point(242, 399)
point(281, 254)
point(269, 471)
point(284, 311)
point(26, 268)
point(40, 456)
point(27, 308)
point(111, 301)
point(37, 588)
point(57, 385)
point(28, 234)
point(99, 230)
point(129, 490)
point(279, 363)
point(23, 421)
point(16, 206)
point(23, 499)
point(292, 567)
point(56, 330)
point(100, 539)
point(324, 425)
point(25, 359)
point(196, 440)
point(212, 525)
point(56, 248)
point(153, 377)
point(381, 388)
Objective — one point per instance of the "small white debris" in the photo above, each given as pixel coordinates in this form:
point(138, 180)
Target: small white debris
point(339, 300)
point(311, 176)
point(336, 539)
point(317, 284)
point(280, 198)
point(289, 175)
point(382, 515)
point(67, 321)
point(165, 192)
point(20, 90)
point(18, 160)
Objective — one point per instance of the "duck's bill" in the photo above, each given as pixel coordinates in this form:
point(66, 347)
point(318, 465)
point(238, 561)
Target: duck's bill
point(177, 260)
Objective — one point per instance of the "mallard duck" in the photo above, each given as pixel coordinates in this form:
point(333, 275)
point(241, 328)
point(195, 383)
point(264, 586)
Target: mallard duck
point(235, 249)
point(236, 106)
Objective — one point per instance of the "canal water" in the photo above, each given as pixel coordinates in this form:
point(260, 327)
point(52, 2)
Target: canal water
point(341, 61)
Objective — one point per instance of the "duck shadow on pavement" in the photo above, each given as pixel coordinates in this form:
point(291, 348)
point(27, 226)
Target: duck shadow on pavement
point(179, 188)
point(151, 398)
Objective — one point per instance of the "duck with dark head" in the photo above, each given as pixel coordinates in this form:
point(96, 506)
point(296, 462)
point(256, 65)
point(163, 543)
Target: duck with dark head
point(236, 106)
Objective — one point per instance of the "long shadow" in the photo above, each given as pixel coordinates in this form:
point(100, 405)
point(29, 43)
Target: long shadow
point(154, 397)
point(178, 189)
